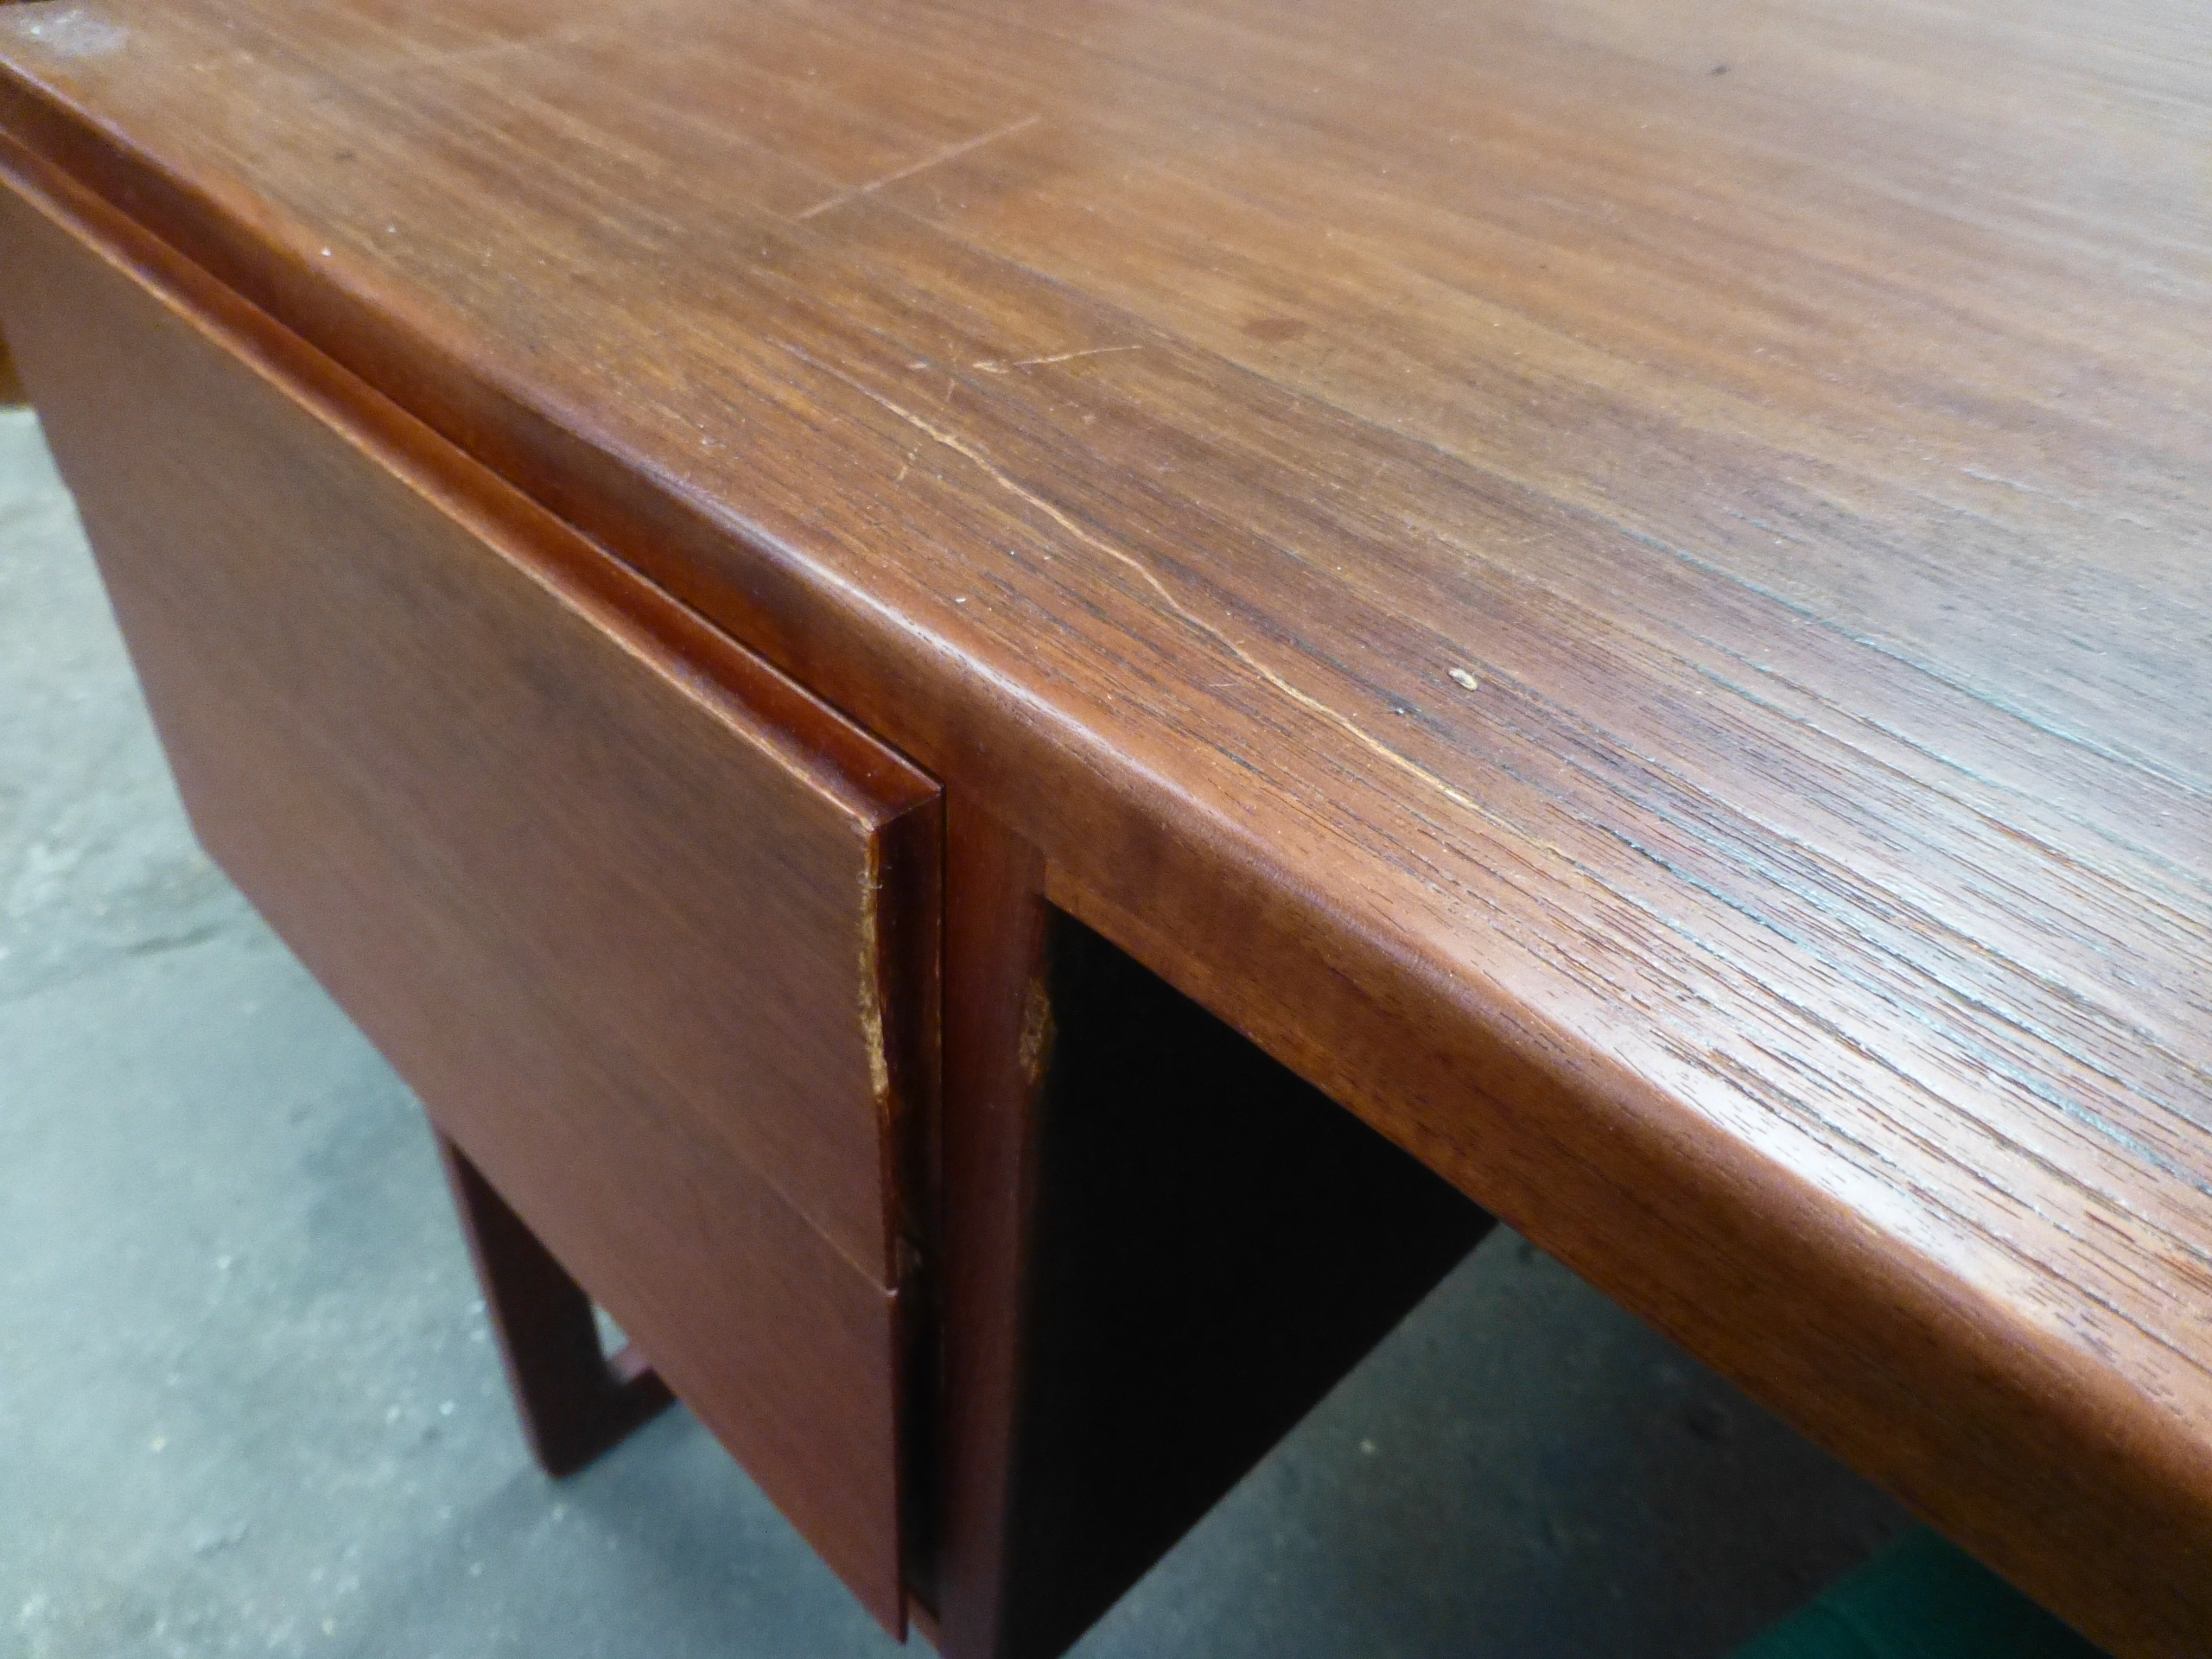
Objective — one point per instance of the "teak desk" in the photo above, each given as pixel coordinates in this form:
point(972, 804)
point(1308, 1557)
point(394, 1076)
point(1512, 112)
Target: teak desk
point(890, 648)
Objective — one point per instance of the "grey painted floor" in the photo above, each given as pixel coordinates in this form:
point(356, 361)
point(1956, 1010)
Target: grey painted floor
point(248, 1403)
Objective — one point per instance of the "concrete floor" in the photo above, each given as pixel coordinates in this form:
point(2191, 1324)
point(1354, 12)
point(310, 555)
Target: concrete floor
point(248, 1402)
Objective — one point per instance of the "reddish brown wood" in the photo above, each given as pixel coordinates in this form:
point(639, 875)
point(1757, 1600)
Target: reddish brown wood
point(574, 1400)
point(998, 1012)
point(646, 926)
point(1643, 626)
point(1161, 1249)
point(11, 385)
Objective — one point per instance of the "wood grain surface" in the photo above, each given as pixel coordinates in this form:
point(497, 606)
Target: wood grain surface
point(1622, 584)
point(650, 931)
point(997, 1016)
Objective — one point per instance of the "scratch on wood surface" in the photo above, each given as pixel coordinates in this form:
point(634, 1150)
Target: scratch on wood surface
point(951, 152)
point(998, 475)
point(992, 365)
point(871, 998)
point(1038, 1032)
point(446, 57)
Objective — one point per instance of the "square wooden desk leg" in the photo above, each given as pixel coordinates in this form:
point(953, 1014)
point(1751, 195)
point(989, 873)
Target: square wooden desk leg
point(1160, 1249)
point(12, 387)
point(574, 1400)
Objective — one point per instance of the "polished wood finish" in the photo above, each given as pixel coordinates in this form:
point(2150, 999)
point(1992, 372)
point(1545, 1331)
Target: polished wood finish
point(1621, 585)
point(997, 1012)
point(11, 385)
point(673, 995)
point(574, 1400)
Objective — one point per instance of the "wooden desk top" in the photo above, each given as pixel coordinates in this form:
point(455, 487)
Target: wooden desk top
point(1624, 582)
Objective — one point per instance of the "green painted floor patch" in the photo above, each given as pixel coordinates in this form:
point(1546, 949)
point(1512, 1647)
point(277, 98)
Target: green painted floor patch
point(1923, 1597)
